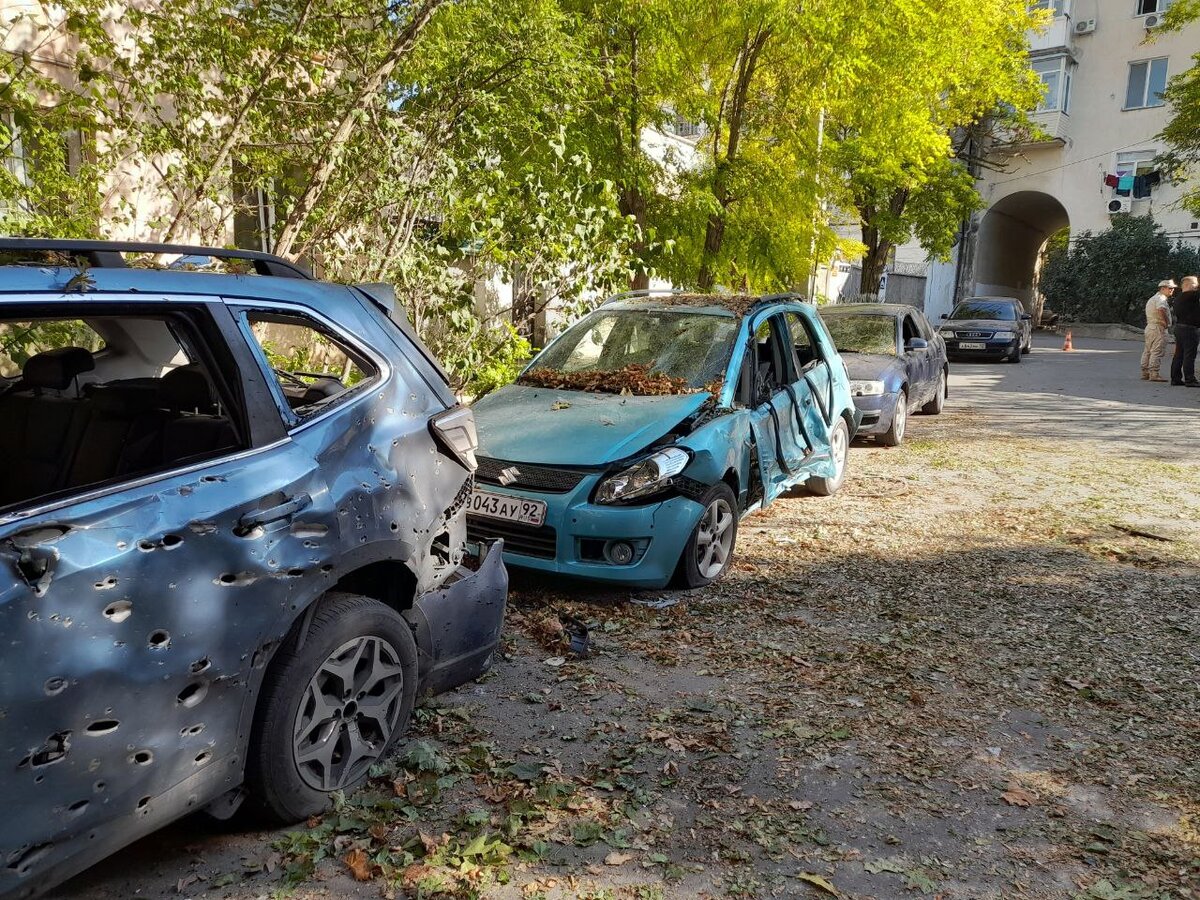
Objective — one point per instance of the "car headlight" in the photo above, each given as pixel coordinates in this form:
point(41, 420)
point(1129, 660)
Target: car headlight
point(866, 388)
point(1003, 336)
point(647, 476)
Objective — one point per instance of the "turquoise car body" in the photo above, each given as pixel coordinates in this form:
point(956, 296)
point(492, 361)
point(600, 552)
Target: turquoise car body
point(556, 446)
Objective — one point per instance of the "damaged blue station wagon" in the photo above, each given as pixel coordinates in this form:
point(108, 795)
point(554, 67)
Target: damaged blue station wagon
point(232, 540)
point(631, 446)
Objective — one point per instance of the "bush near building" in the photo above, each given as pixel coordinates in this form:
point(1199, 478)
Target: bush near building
point(1108, 276)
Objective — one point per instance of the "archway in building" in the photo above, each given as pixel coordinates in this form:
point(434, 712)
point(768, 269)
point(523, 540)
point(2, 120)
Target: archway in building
point(1011, 239)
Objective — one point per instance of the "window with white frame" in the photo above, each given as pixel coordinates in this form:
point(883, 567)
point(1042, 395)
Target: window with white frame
point(1134, 164)
point(1147, 81)
point(1149, 7)
point(1055, 73)
point(1057, 7)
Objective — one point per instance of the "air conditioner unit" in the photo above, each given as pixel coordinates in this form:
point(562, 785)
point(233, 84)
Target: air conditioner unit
point(1085, 26)
point(1118, 205)
point(1151, 22)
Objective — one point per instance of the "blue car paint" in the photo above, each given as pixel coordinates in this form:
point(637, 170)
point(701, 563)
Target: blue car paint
point(107, 737)
point(606, 432)
point(601, 430)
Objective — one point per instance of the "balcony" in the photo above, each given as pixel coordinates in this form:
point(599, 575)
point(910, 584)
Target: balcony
point(1056, 37)
point(1055, 124)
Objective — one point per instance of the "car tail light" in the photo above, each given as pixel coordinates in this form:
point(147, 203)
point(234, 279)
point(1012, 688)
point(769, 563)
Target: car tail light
point(454, 431)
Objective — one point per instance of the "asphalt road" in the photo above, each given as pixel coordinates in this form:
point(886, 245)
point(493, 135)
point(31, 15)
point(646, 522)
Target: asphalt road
point(1094, 392)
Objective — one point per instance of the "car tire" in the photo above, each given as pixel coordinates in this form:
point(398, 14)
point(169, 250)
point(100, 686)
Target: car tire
point(714, 536)
point(1028, 348)
point(374, 647)
point(935, 406)
point(839, 444)
point(894, 436)
point(1015, 356)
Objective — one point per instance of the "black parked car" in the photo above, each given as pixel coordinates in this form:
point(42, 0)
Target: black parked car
point(232, 544)
point(896, 361)
point(988, 328)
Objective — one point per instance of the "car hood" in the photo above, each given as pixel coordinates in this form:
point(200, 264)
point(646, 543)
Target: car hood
point(871, 366)
point(537, 425)
point(979, 325)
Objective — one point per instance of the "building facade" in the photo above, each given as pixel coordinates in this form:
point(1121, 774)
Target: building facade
point(1103, 64)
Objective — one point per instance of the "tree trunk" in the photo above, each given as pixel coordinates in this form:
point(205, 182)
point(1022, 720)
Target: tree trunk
point(714, 231)
point(220, 161)
point(309, 197)
point(878, 247)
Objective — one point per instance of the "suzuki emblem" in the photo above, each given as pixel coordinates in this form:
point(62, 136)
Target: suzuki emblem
point(509, 475)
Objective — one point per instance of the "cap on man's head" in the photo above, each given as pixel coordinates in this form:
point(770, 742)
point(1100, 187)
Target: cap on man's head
point(1167, 282)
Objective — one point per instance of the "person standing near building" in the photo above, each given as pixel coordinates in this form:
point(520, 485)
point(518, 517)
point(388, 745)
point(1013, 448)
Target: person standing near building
point(1186, 307)
point(1158, 320)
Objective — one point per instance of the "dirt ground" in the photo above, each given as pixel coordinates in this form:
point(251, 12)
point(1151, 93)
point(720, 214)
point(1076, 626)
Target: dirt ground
point(972, 674)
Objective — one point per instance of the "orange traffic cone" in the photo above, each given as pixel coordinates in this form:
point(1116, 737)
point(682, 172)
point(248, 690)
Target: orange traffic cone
point(1067, 342)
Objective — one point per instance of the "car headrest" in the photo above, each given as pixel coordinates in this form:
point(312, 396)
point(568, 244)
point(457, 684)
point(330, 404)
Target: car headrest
point(56, 369)
point(123, 399)
point(187, 388)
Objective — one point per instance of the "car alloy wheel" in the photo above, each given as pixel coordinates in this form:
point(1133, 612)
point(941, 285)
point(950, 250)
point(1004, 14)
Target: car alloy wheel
point(714, 539)
point(935, 406)
point(348, 713)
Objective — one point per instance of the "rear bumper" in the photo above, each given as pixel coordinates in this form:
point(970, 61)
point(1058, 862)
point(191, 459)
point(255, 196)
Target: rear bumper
point(458, 627)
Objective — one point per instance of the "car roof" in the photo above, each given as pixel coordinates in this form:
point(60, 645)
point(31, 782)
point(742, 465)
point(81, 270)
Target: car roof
point(53, 281)
point(706, 304)
point(991, 299)
point(869, 309)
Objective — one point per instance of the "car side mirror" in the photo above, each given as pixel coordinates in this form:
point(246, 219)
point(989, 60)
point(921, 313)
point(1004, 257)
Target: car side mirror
point(1026, 317)
point(944, 316)
point(917, 344)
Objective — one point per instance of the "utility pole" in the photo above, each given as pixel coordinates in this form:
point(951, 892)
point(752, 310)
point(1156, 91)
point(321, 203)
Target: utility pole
point(817, 218)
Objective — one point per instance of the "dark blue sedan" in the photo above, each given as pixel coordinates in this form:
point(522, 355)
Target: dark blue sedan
point(896, 361)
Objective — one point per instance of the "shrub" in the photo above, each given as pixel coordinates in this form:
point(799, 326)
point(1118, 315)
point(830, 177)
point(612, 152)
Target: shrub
point(1108, 276)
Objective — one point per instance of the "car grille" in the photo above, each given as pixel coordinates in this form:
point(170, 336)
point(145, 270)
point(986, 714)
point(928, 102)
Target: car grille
point(524, 540)
point(528, 477)
point(973, 335)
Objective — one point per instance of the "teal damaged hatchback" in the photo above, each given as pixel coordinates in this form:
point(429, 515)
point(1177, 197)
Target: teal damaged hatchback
point(629, 449)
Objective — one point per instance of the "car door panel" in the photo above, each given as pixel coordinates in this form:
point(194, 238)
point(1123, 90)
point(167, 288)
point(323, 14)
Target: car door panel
point(152, 603)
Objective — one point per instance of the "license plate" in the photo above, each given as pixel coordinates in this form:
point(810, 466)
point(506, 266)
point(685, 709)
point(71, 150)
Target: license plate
point(510, 509)
point(966, 345)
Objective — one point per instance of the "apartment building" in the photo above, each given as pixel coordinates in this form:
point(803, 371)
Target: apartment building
point(1103, 64)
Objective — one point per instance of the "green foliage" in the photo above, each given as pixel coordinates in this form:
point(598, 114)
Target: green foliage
point(1182, 134)
point(21, 340)
point(1107, 277)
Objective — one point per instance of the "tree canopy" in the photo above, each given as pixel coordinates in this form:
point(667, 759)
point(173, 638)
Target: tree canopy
point(433, 143)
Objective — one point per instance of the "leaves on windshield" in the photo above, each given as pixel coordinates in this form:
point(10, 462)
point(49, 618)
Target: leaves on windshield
point(738, 304)
point(634, 378)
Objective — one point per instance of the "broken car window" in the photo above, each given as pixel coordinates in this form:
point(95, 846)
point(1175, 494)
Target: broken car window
point(863, 334)
point(689, 348)
point(100, 402)
point(313, 367)
point(21, 340)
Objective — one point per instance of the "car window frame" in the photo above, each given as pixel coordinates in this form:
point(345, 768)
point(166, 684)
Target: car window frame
point(254, 433)
point(815, 338)
point(241, 308)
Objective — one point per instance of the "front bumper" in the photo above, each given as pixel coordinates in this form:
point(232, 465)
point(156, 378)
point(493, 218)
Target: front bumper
point(877, 412)
point(992, 349)
point(458, 626)
point(575, 531)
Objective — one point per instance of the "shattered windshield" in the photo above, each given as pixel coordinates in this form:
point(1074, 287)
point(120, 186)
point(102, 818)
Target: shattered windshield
point(997, 310)
point(863, 334)
point(639, 351)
